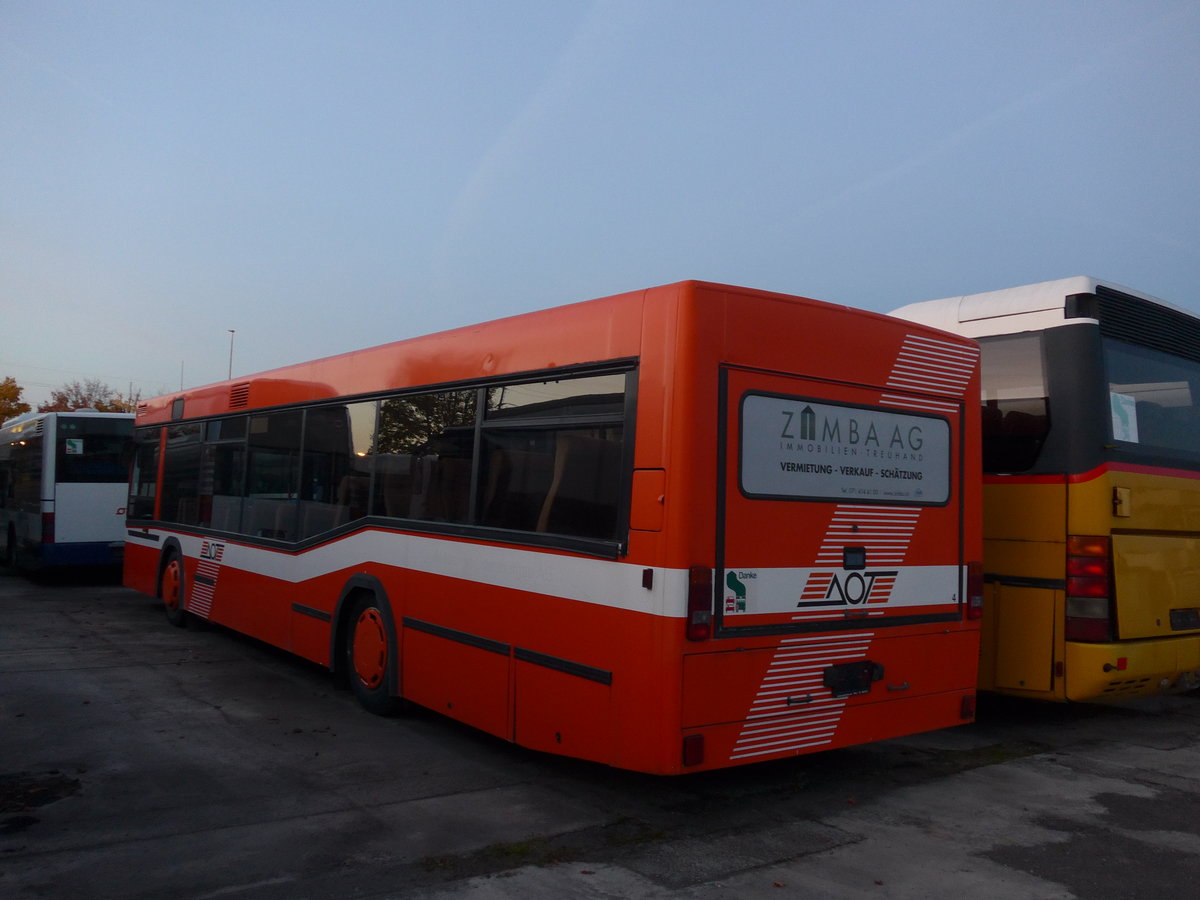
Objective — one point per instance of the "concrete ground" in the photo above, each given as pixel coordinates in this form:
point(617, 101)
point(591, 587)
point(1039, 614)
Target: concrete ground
point(143, 761)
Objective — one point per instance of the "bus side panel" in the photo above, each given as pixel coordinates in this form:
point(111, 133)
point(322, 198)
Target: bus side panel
point(550, 673)
point(467, 683)
point(1028, 510)
point(1024, 562)
point(140, 569)
point(245, 601)
point(565, 713)
point(1020, 622)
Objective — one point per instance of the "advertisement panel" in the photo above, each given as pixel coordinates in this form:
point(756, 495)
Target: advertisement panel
point(795, 448)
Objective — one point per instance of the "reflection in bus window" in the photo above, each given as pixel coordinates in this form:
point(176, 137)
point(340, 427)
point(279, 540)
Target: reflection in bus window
point(92, 451)
point(273, 475)
point(223, 473)
point(143, 484)
point(335, 476)
point(27, 472)
point(423, 455)
point(1153, 397)
point(1016, 416)
point(181, 473)
point(557, 481)
point(600, 395)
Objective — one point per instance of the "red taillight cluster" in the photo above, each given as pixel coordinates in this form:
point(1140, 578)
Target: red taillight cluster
point(47, 528)
point(699, 603)
point(1089, 589)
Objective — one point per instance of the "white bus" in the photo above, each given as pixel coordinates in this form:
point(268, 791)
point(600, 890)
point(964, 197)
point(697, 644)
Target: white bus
point(63, 488)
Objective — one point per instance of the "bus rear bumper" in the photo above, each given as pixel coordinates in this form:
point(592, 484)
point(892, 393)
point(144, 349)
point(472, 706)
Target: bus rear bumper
point(84, 553)
point(1132, 668)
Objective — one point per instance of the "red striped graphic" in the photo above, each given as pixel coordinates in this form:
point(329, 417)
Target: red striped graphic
point(793, 710)
point(204, 582)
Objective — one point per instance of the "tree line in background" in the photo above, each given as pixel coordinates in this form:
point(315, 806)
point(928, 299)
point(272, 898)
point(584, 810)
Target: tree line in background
point(88, 394)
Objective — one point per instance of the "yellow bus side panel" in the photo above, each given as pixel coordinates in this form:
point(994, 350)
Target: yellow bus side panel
point(1024, 538)
point(1024, 512)
point(1022, 624)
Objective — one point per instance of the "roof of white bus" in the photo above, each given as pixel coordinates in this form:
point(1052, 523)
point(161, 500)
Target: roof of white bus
point(90, 413)
point(1030, 307)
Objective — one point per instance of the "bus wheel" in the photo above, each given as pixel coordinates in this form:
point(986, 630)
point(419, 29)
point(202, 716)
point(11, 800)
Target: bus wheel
point(170, 588)
point(368, 659)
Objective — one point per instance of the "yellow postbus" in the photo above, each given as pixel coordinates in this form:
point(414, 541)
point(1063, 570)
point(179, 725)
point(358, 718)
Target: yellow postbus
point(1091, 455)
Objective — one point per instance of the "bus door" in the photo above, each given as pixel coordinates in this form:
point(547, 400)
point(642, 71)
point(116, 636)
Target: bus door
point(840, 553)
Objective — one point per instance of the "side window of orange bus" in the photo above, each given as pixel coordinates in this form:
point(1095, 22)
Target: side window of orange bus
point(273, 475)
point(335, 476)
point(223, 474)
point(551, 456)
point(143, 483)
point(424, 452)
point(181, 473)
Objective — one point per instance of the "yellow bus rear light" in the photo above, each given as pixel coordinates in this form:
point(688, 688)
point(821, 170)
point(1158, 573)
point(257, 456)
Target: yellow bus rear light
point(1087, 587)
point(1087, 607)
point(1088, 566)
point(1088, 630)
point(1087, 545)
point(1088, 619)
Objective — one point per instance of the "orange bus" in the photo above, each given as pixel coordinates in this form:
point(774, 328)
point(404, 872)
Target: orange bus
point(678, 529)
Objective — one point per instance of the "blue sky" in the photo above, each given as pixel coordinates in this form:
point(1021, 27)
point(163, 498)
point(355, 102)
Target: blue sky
point(327, 176)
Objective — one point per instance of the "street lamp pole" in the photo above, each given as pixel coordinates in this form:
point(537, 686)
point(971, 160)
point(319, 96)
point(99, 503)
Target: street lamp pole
point(231, 333)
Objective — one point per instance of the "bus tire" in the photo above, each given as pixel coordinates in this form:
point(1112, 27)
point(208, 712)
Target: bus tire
point(171, 590)
point(370, 661)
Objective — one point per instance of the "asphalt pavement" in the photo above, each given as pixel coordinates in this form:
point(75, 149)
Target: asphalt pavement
point(143, 761)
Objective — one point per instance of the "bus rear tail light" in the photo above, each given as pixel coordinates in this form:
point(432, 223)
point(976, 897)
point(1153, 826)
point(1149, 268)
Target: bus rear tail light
point(48, 528)
point(1089, 589)
point(975, 590)
point(699, 604)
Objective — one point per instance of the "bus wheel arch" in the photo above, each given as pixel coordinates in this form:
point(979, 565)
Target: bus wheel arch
point(365, 646)
point(172, 584)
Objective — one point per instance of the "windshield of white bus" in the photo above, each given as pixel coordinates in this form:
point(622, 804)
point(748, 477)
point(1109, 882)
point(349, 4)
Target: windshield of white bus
point(92, 451)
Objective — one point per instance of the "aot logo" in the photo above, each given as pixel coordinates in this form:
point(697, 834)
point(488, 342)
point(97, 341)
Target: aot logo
point(211, 550)
point(834, 589)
